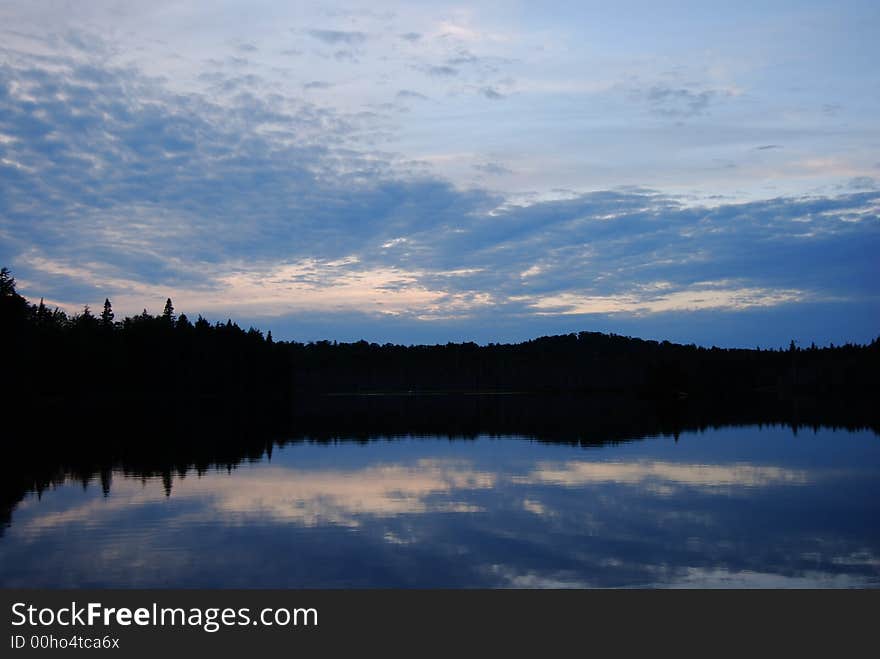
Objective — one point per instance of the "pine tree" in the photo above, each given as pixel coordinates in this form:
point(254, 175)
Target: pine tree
point(12, 305)
point(7, 283)
point(107, 315)
point(168, 312)
point(86, 319)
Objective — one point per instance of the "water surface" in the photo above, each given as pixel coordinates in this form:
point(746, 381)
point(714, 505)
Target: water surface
point(744, 506)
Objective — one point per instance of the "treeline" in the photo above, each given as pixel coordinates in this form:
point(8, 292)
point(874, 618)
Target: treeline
point(48, 352)
point(585, 362)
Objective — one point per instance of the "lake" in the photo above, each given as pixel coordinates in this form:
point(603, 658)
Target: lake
point(728, 506)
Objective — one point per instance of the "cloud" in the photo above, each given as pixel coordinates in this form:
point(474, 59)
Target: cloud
point(411, 36)
point(491, 93)
point(863, 183)
point(509, 577)
point(718, 578)
point(441, 71)
point(335, 37)
point(345, 55)
point(679, 101)
point(409, 93)
point(493, 168)
point(464, 57)
point(831, 109)
point(268, 205)
point(718, 297)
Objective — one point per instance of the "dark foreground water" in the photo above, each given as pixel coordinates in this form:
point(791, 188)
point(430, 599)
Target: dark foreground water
point(741, 506)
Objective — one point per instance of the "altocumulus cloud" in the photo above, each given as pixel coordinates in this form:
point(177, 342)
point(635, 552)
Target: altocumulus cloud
point(339, 37)
point(266, 206)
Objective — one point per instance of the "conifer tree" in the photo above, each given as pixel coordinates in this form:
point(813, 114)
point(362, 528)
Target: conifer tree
point(7, 283)
point(107, 315)
point(168, 312)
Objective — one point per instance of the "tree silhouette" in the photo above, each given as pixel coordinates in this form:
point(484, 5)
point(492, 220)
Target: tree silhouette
point(42, 313)
point(107, 315)
point(14, 309)
point(168, 312)
point(86, 319)
point(7, 283)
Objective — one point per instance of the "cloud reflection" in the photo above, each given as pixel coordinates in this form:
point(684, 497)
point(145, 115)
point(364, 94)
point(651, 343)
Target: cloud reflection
point(340, 497)
point(308, 498)
point(660, 477)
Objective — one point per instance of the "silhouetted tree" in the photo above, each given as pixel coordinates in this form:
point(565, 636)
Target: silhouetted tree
point(86, 319)
point(14, 309)
point(107, 315)
point(168, 312)
point(43, 315)
point(7, 283)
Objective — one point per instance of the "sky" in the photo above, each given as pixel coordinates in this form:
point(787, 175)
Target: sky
point(425, 172)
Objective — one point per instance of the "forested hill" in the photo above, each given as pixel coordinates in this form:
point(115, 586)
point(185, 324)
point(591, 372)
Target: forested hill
point(587, 361)
point(49, 353)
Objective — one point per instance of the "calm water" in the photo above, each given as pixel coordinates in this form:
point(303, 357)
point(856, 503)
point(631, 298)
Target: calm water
point(736, 506)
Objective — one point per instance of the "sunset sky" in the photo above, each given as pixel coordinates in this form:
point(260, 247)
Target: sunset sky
point(429, 172)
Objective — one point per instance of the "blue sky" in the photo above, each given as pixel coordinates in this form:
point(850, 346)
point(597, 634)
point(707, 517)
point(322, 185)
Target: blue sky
point(425, 172)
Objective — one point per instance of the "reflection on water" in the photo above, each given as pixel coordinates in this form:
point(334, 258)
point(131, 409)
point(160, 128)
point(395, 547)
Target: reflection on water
point(743, 506)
